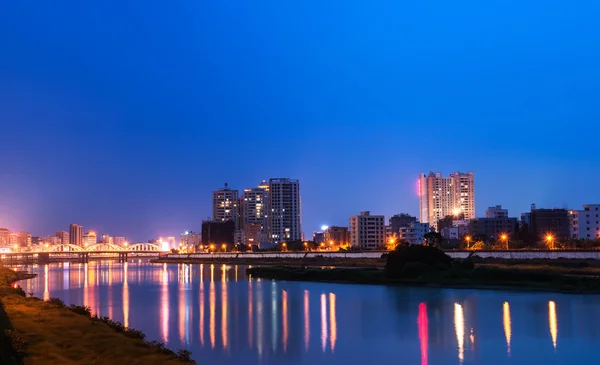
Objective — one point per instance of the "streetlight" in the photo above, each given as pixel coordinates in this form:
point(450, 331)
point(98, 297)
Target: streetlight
point(322, 245)
point(550, 240)
point(306, 246)
point(504, 238)
point(283, 246)
point(468, 239)
point(224, 247)
point(212, 247)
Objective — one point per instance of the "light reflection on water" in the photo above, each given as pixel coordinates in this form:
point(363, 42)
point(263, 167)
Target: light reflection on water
point(224, 317)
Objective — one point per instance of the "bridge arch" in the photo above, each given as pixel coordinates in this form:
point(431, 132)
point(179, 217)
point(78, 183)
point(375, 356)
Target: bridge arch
point(144, 247)
point(104, 247)
point(66, 247)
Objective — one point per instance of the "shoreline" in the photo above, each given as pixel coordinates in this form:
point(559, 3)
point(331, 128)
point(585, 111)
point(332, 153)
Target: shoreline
point(33, 331)
point(312, 262)
point(377, 277)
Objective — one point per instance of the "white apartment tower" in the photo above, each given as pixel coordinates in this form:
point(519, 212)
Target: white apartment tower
point(443, 196)
point(367, 231)
point(225, 205)
point(284, 220)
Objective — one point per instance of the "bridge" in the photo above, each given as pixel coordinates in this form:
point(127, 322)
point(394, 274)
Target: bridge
point(68, 252)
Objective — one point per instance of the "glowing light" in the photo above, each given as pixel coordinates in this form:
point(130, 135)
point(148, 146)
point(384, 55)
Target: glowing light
point(323, 321)
point(224, 308)
point(164, 246)
point(284, 316)
point(212, 300)
point(423, 324)
point(250, 314)
point(332, 321)
point(46, 291)
point(507, 324)
point(202, 304)
point(125, 297)
point(456, 211)
point(324, 227)
point(459, 327)
point(553, 322)
point(306, 320)
point(164, 304)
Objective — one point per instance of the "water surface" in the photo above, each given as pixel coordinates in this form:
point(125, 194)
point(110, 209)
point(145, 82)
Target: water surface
point(224, 317)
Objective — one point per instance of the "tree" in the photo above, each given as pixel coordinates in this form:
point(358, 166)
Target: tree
point(433, 239)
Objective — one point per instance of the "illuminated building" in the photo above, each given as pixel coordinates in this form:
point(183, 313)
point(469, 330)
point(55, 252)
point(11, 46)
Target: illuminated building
point(119, 241)
point(76, 235)
point(254, 205)
point(90, 238)
point(63, 237)
point(53, 240)
point(585, 224)
point(106, 238)
point(414, 232)
point(367, 231)
point(444, 196)
point(337, 236)
point(190, 239)
point(225, 206)
point(285, 216)
point(20, 239)
point(4, 238)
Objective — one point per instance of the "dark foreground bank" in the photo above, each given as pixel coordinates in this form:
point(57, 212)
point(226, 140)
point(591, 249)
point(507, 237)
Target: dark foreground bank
point(38, 332)
point(454, 277)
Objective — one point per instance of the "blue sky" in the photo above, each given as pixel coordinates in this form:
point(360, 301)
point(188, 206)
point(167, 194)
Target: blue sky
point(123, 116)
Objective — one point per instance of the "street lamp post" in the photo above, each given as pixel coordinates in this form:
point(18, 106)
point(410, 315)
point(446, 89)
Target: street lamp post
point(550, 241)
point(468, 239)
point(504, 238)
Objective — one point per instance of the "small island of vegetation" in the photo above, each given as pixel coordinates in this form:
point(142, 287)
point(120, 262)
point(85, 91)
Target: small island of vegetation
point(421, 265)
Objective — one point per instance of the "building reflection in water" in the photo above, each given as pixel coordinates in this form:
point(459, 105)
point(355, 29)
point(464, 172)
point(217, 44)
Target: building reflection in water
point(224, 306)
point(332, 321)
point(323, 321)
point(306, 320)
point(423, 324)
point(164, 304)
point(274, 317)
point(284, 318)
point(212, 302)
point(46, 277)
point(125, 296)
point(202, 304)
point(507, 324)
point(553, 322)
point(259, 318)
point(459, 326)
point(250, 314)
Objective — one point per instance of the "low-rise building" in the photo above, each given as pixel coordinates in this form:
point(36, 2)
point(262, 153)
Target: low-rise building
point(414, 233)
point(585, 223)
point(367, 231)
point(496, 212)
point(492, 228)
point(551, 221)
point(336, 236)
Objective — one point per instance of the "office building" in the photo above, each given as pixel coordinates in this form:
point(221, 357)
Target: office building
point(550, 221)
point(337, 236)
point(496, 212)
point(284, 222)
point(63, 236)
point(4, 238)
point(585, 223)
point(76, 235)
point(225, 206)
point(89, 239)
point(367, 231)
point(440, 196)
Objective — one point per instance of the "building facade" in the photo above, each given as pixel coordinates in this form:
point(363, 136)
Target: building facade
point(337, 236)
point(76, 235)
point(119, 241)
point(550, 221)
point(400, 221)
point(255, 208)
point(367, 231)
point(20, 240)
point(225, 206)
point(63, 236)
point(440, 196)
point(218, 234)
point(585, 223)
point(284, 221)
point(492, 228)
point(496, 212)
point(414, 233)
point(89, 239)
point(4, 238)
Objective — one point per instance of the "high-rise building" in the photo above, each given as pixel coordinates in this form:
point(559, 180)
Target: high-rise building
point(216, 234)
point(284, 219)
point(90, 238)
point(4, 238)
point(63, 236)
point(585, 224)
point(443, 196)
point(367, 231)
point(76, 235)
point(254, 206)
point(225, 205)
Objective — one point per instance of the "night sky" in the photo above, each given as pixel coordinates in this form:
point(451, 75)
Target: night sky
point(123, 116)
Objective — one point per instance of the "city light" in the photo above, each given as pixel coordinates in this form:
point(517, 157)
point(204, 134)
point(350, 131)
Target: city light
point(324, 228)
point(550, 241)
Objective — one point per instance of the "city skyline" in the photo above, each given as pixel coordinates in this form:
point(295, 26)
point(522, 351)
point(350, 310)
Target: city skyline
point(123, 130)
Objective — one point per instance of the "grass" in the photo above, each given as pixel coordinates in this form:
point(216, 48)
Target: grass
point(480, 277)
point(51, 333)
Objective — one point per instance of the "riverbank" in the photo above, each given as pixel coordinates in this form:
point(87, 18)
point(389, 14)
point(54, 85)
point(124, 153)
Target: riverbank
point(291, 262)
point(38, 333)
point(478, 278)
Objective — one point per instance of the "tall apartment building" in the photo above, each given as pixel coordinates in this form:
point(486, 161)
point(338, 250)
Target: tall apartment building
point(63, 237)
point(76, 235)
point(225, 205)
point(254, 206)
point(585, 224)
point(284, 221)
point(4, 238)
point(443, 196)
point(367, 231)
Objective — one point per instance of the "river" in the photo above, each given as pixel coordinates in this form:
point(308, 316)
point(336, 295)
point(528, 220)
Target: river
point(224, 317)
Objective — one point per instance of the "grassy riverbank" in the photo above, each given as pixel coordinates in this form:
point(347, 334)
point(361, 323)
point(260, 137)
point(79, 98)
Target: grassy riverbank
point(38, 333)
point(479, 277)
point(296, 262)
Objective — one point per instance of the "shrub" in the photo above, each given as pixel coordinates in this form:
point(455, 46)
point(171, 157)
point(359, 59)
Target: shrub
point(184, 355)
point(17, 342)
point(81, 309)
point(414, 269)
point(463, 264)
point(404, 254)
point(56, 301)
point(20, 291)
